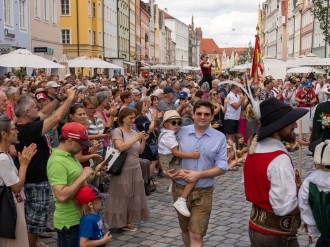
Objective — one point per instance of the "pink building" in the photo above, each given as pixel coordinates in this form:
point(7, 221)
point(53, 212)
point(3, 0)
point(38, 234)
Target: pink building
point(281, 31)
point(307, 27)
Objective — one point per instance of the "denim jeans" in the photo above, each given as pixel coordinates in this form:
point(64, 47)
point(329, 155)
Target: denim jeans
point(68, 237)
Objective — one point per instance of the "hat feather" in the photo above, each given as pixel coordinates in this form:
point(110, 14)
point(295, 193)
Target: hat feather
point(317, 153)
point(326, 154)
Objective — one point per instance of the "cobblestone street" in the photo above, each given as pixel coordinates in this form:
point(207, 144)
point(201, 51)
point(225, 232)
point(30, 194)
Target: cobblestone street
point(228, 224)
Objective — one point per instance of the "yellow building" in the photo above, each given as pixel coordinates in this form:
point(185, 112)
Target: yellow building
point(82, 28)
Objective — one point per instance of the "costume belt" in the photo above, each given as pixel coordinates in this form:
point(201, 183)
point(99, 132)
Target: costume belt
point(268, 221)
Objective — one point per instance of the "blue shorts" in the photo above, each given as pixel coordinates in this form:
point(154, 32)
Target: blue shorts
point(36, 206)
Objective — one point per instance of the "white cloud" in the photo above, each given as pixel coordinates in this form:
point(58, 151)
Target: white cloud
point(229, 23)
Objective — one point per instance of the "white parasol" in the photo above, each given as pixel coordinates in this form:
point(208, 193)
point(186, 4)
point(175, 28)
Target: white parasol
point(24, 58)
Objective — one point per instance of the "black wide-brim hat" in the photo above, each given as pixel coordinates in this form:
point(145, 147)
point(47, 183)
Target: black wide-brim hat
point(275, 115)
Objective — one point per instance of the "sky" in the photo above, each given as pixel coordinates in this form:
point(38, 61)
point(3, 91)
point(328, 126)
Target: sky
point(230, 23)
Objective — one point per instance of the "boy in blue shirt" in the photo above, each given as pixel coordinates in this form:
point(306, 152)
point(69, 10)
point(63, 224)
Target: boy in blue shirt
point(91, 229)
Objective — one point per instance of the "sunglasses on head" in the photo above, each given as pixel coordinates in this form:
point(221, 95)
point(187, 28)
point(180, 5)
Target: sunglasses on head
point(179, 123)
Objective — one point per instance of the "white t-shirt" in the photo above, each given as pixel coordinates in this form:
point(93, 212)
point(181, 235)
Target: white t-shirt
point(231, 112)
point(9, 173)
point(166, 141)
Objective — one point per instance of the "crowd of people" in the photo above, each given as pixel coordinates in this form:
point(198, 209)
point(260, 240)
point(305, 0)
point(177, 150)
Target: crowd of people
point(188, 127)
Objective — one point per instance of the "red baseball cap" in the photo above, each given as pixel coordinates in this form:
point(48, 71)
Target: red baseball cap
point(41, 96)
point(76, 132)
point(88, 193)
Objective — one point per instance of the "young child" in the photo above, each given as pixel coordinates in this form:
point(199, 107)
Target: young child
point(91, 229)
point(168, 152)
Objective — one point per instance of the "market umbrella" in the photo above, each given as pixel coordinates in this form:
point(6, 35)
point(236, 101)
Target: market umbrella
point(318, 62)
point(24, 58)
point(66, 70)
point(85, 62)
point(306, 70)
point(274, 67)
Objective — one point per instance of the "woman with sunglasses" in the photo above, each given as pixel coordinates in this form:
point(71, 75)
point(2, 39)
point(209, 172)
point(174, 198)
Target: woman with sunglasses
point(13, 178)
point(219, 110)
point(77, 114)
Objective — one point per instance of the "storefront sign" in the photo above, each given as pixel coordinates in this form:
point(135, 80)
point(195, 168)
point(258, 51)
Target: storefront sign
point(47, 50)
point(40, 49)
point(9, 35)
point(4, 49)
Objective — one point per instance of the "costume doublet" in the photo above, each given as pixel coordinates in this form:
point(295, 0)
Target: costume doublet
point(271, 186)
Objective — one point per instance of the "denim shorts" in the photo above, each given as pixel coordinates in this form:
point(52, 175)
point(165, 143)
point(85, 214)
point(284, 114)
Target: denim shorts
point(36, 206)
point(199, 204)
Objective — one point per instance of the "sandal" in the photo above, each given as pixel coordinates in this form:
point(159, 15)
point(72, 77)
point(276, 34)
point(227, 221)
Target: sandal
point(130, 227)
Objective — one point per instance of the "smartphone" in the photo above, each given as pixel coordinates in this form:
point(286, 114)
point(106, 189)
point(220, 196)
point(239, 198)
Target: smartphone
point(146, 127)
point(106, 130)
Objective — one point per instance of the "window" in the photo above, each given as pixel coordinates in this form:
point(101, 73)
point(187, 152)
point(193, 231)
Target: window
point(89, 7)
point(94, 38)
point(46, 10)
point(22, 14)
point(65, 7)
point(89, 37)
point(66, 36)
point(99, 12)
point(8, 13)
point(37, 9)
point(99, 38)
point(94, 9)
point(54, 12)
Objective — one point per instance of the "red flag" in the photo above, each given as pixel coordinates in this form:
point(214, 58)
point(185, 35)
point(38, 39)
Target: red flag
point(257, 63)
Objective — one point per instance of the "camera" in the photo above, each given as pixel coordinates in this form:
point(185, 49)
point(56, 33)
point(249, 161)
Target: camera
point(308, 101)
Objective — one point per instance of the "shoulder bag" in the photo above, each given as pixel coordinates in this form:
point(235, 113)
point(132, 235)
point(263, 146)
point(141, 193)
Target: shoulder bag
point(8, 214)
point(115, 159)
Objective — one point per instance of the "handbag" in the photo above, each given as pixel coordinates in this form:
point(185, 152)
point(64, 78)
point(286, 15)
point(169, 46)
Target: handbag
point(153, 148)
point(116, 161)
point(8, 214)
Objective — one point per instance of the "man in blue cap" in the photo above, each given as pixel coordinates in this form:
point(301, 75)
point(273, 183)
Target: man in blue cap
point(186, 114)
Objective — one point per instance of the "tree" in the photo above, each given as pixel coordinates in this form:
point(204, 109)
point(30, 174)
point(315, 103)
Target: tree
point(321, 13)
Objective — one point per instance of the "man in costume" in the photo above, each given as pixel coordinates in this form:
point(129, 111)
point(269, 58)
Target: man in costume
point(314, 197)
point(270, 180)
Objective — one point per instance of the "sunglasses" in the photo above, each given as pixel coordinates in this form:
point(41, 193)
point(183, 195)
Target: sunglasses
point(205, 114)
point(179, 123)
point(214, 94)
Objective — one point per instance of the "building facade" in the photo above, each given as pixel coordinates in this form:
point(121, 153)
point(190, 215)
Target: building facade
point(14, 25)
point(110, 33)
point(132, 32)
point(45, 29)
point(145, 32)
point(123, 29)
point(180, 35)
point(307, 26)
point(82, 28)
point(151, 32)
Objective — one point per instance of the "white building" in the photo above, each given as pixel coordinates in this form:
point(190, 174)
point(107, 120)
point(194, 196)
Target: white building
point(180, 35)
point(271, 9)
point(110, 29)
point(152, 31)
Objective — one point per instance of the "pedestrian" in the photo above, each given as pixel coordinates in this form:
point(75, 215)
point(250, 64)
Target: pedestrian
point(270, 180)
point(91, 228)
point(314, 197)
point(33, 127)
point(233, 111)
point(322, 108)
point(13, 178)
point(169, 152)
point(206, 68)
point(127, 202)
point(212, 162)
point(66, 176)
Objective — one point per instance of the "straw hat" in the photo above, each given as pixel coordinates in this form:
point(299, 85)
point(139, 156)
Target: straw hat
point(168, 115)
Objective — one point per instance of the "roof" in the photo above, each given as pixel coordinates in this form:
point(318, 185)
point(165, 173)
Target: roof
point(168, 16)
point(209, 46)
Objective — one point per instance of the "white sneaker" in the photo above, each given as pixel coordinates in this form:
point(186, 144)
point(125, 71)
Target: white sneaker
point(182, 208)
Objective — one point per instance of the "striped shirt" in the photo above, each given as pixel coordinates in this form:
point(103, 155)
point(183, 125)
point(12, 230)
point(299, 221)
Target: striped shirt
point(95, 129)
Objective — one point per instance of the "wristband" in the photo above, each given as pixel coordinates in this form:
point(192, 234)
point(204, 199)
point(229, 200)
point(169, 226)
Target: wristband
point(58, 98)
